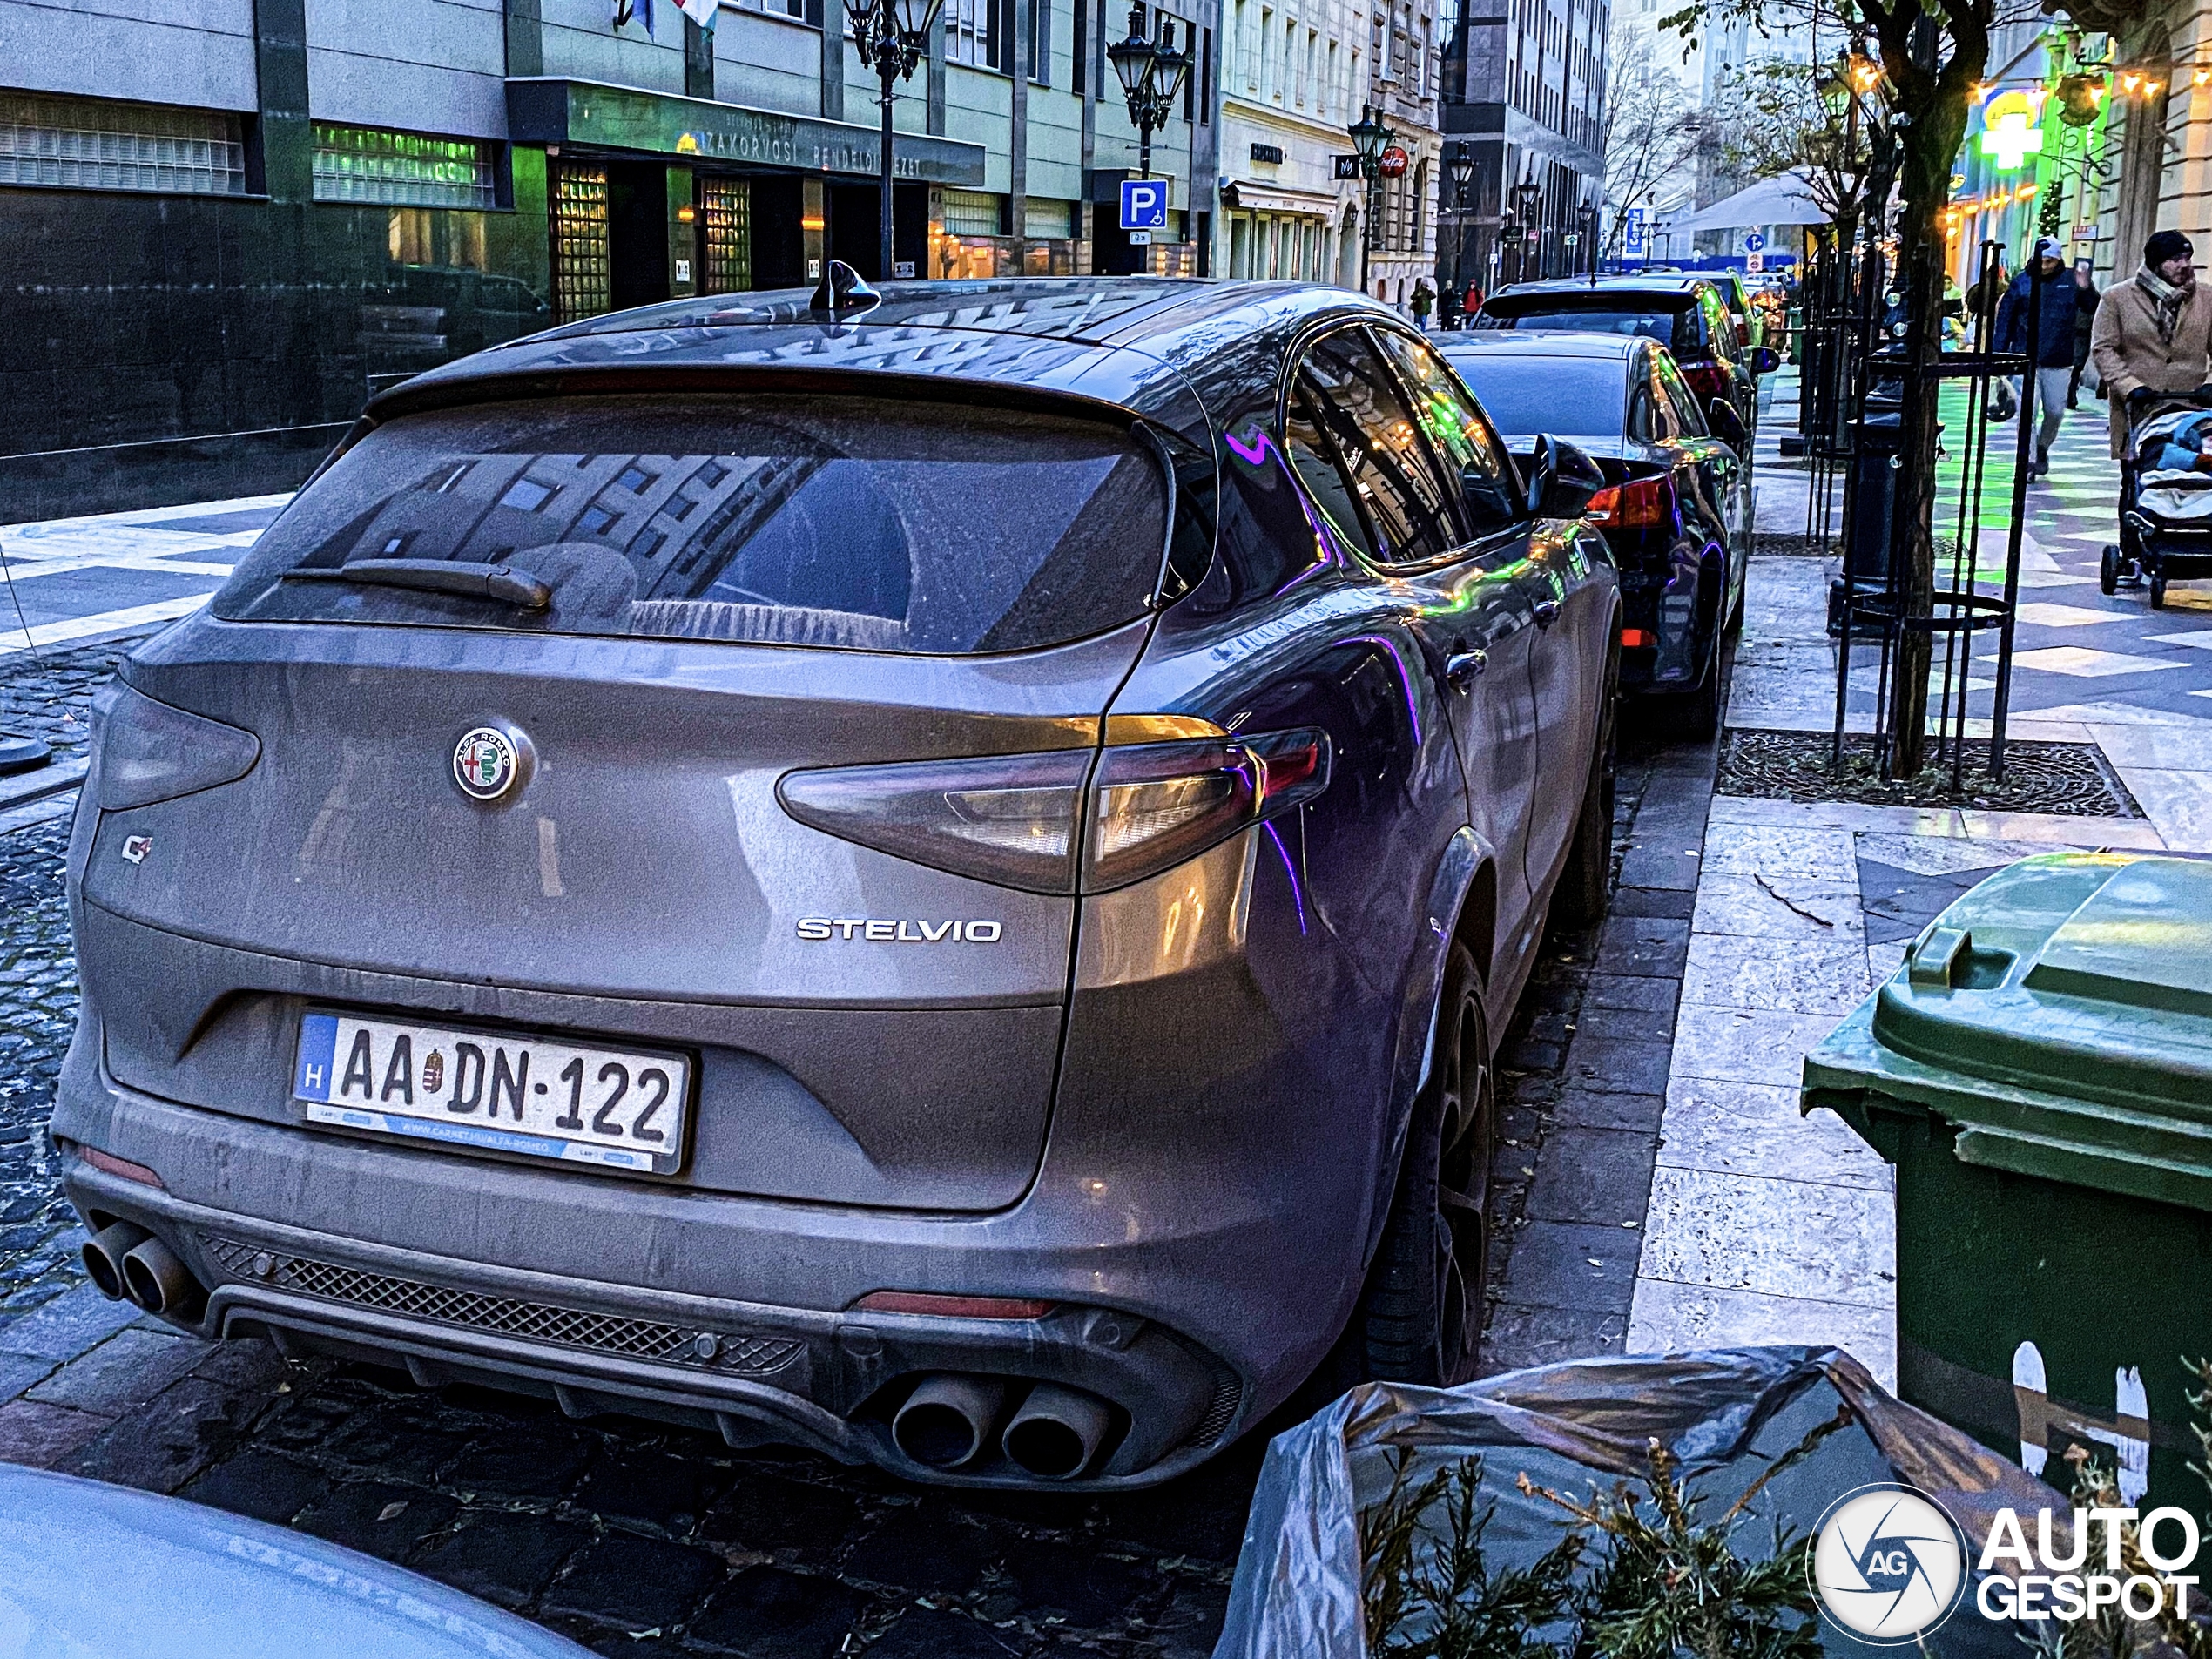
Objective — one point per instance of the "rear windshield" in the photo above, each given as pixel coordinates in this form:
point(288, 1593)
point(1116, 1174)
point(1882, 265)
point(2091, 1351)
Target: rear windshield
point(1584, 320)
point(1570, 397)
point(850, 522)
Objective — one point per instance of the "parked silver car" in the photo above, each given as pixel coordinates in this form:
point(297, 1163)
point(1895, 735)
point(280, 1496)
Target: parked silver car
point(929, 876)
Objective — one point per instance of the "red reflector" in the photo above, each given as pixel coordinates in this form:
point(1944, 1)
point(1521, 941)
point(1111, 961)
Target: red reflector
point(1637, 638)
point(113, 1165)
point(953, 1307)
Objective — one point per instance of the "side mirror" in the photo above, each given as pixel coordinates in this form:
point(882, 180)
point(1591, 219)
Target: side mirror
point(1575, 478)
point(1766, 360)
point(1724, 423)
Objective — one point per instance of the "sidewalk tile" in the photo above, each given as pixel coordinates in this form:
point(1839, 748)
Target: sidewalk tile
point(1832, 1243)
point(1651, 945)
point(1796, 815)
point(67, 1325)
point(1634, 1025)
point(1755, 1129)
point(1761, 907)
point(1789, 975)
point(2178, 804)
point(1600, 1176)
point(1629, 991)
point(128, 1369)
point(2060, 830)
point(2155, 746)
point(1746, 1045)
point(1681, 1318)
point(41, 1435)
point(1618, 1065)
point(1763, 849)
point(19, 1371)
point(1519, 1337)
point(1572, 1264)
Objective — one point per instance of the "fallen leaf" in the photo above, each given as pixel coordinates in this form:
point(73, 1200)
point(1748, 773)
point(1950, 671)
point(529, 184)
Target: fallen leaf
point(1593, 1261)
point(391, 1509)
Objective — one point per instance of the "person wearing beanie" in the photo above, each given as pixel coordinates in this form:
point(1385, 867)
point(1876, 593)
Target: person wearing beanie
point(2152, 335)
point(2046, 288)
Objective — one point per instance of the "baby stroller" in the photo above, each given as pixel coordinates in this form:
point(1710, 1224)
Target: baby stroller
point(2166, 517)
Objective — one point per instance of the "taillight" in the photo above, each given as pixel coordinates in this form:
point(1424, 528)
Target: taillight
point(149, 752)
point(1709, 381)
point(1044, 823)
point(1638, 639)
point(1641, 504)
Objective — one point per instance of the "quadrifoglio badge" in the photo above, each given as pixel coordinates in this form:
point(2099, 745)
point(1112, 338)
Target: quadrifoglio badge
point(1890, 1564)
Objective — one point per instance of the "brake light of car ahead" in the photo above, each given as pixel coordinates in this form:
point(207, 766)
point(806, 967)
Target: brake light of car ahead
point(1709, 380)
point(1640, 505)
point(1044, 822)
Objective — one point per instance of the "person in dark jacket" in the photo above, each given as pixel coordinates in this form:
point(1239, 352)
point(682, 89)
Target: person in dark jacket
point(2050, 355)
point(2084, 318)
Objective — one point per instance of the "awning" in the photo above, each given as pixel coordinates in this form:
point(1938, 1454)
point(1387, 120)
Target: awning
point(1783, 200)
point(555, 110)
point(1274, 199)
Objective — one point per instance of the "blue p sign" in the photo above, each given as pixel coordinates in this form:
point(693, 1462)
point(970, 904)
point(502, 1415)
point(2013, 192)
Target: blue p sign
point(1144, 204)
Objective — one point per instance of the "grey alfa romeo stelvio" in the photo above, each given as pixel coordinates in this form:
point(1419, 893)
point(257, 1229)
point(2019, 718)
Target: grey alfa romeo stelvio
point(927, 875)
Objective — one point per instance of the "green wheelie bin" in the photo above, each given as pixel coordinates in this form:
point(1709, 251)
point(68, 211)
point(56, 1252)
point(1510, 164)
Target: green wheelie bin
point(2039, 1073)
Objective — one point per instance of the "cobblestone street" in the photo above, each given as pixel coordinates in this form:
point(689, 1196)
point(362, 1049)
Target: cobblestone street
point(632, 1537)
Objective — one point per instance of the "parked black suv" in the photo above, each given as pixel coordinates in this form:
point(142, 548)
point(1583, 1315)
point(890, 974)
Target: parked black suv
point(1686, 314)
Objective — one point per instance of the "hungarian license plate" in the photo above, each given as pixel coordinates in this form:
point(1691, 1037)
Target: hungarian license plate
point(618, 1109)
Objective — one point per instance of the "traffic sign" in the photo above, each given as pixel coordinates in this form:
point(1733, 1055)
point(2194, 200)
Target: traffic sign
point(1754, 263)
point(1144, 204)
point(1754, 242)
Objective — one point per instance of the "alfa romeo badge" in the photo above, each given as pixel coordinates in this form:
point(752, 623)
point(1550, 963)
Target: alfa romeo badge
point(486, 763)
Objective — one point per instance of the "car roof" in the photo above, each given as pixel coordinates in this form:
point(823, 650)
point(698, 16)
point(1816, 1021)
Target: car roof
point(1539, 342)
point(1136, 344)
point(1672, 286)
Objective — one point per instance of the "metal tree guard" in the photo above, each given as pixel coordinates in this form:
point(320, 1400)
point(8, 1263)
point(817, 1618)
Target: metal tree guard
point(892, 37)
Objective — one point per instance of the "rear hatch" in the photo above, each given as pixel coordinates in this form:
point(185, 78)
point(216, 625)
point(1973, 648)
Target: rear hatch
point(735, 591)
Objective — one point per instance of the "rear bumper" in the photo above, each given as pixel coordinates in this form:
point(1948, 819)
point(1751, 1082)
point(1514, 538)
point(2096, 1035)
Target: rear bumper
point(1662, 596)
point(754, 1369)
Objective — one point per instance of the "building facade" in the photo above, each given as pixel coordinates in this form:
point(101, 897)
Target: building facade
point(1524, 88)
point(1292, 75)
point(233, 222)
point(1406, 86)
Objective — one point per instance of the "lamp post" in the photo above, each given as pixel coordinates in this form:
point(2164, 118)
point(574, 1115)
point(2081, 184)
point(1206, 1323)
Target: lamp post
point(892, 37)
point(1459, 167)
point(1152, 73)
point(1528, 201)
point(1586, 217)
point(1370, 136)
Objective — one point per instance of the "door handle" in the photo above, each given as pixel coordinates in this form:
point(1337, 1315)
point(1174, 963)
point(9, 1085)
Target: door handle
point(1465, 667)
point(1547, 612)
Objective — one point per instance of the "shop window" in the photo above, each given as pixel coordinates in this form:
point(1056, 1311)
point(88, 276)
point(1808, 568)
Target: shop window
point(405, 169)
point(428, 236)
point(971, 212)
point(97, 143)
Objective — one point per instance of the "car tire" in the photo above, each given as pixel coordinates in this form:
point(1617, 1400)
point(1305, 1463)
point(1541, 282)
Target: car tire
point(1421, 1315)
point(1698, 716)
point(1586, 884)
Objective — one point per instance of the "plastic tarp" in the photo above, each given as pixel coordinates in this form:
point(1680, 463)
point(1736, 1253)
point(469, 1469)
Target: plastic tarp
point(1727, 1414)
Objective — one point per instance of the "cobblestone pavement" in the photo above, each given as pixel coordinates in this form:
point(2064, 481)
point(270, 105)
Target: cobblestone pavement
point(634, 1539)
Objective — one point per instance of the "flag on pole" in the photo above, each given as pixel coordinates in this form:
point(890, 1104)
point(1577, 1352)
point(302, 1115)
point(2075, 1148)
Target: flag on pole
point(701, 12)
point(634, 11)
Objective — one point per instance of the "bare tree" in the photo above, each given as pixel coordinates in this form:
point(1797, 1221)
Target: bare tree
point(1648, 126)
point(1779, 117)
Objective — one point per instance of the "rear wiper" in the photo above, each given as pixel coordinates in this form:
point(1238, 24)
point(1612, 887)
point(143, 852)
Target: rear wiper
point(436, 576)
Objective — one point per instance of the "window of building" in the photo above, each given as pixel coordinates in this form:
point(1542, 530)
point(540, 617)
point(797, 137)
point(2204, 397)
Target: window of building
point(426, 236)
point(1205, 76)
point(97, 143)
point(1043, 218)
point(971, 212)
point(404, 169)
point(1040, 42)
point(971, 32)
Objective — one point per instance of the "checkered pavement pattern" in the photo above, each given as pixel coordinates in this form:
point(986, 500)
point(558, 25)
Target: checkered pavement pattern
point(2079, 656)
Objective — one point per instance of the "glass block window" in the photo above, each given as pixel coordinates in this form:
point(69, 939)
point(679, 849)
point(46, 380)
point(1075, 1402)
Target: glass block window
point(95, 144)
point(401, 169)
point(1048, 219)
point(972, 213)
point(726, 240)
point(582, 286)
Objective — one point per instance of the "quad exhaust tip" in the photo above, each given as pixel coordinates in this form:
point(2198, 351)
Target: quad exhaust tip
point(156, 1281)
point(948, 1419)
point(102, 1255)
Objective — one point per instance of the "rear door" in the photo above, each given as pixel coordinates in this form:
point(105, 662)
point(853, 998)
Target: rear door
point(738, 594)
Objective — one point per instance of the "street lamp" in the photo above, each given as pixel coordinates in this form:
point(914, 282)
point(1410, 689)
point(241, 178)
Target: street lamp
point(892, 37)
point(1586, 216)
point(1528, 201)
point(1152, 73)
point(1370, 137)
point(1459, 167)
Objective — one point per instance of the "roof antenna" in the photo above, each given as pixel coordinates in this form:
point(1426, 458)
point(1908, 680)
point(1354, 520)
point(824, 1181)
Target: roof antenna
point(843, 290)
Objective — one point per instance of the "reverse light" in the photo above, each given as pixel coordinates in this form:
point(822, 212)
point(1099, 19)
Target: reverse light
point(149, 751)
point(1641, 504)
point(1069, 820)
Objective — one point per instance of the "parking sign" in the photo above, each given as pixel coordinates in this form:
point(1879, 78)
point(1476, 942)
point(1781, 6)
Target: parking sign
point(1144, 204)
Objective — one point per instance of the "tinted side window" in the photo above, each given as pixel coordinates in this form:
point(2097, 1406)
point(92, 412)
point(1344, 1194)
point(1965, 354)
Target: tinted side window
point(1689, 414)
point(1690, 331)
point(1346, 396)
point(1459, 432)
point(1719, 325)
point(1316, 460)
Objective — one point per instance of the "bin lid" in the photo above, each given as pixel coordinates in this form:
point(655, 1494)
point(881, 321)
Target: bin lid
point(2060, 1017)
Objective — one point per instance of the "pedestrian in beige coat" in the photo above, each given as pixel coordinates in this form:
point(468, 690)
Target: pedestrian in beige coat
point(2152, 335)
